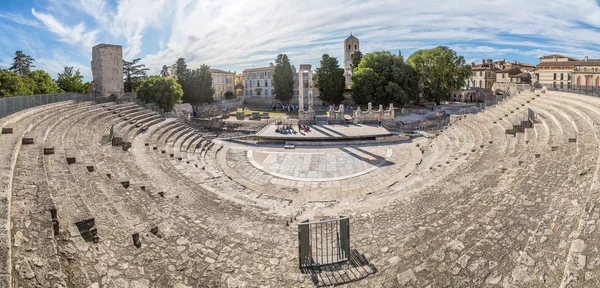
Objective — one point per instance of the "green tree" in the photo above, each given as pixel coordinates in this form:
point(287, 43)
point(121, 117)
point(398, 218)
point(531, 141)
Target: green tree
point(22, 63)
point(11, 84)
point(162, 91)
point(164, 72)
point(133, 74)
point(42, 83)
point(71, 81)
point(180, 70)
point(229, 95)
point(440, 71)
point(383, 78)
point(197, 86)
point(283, 79)
point(330, 80)
point(356, 57)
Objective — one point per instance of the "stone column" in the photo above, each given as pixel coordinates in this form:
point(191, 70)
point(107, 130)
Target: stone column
point(301, 89)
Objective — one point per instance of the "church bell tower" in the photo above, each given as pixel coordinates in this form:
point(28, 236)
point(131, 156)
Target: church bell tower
point(351, 45)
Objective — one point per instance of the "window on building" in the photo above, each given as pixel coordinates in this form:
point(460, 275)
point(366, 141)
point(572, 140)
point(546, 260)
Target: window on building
point(554, 76)
point(348, 47)
point(355, 46)
point(561, 77)
point(554, 85)
point(561, 85)
point(261, 74)
point(503, 75)
point(257, 83)
point(569, 77)
point(480, 83)
point(480, 74)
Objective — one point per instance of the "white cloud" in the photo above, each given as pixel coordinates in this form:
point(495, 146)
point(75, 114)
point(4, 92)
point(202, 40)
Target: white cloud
point(75, 35)
point(19, 19)
point(237, 34)
point(56, 62)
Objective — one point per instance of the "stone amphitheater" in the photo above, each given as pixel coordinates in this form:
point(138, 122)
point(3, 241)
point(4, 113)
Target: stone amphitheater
point(470, 206)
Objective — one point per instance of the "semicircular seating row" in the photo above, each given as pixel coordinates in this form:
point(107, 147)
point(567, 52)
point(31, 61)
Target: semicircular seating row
point(482, 204)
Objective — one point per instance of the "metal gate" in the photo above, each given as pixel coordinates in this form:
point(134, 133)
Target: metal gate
point(323, 242)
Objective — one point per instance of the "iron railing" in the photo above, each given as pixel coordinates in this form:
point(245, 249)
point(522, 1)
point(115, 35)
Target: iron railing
point(324, 242)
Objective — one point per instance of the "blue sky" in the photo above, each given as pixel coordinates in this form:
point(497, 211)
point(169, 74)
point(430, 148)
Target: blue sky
point(239, 34)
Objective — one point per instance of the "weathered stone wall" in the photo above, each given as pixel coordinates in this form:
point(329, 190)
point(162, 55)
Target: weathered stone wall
point(371, 116)
point(107, 69)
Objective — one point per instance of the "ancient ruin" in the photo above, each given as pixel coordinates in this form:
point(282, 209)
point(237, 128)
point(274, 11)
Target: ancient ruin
point(107, 70)
point(111, 194)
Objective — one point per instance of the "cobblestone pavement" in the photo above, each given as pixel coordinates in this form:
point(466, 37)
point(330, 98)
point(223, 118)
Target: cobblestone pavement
point(469, 206)
point(319, 166)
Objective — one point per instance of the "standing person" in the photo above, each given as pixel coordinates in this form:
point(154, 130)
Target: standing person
point(379, 120)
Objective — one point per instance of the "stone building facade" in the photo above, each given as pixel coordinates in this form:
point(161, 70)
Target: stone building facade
point(259, 82)
point(107, 70)
point(222, 81)
point(561, 72)
point(483, 75)
point(351, 45)
point(238, 84)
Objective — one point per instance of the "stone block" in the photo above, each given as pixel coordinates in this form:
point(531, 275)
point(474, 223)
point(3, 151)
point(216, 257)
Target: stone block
point(171, 155)
point(126, 146)
point(116, 141)
point(70, 160)
point(481, 146)
point(146, 144)
point(472, 150)
point(87, 230)
point(136, 240)
point(154, 148)
point(49, 151)
point(491, 142)
point(7, 130)
point(154, 230)
point(27, 140)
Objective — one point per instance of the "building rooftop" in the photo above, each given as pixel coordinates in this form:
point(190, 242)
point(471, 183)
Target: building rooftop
point(351, 38)
point(589, 62)
point(557, 56)
point(218, 71)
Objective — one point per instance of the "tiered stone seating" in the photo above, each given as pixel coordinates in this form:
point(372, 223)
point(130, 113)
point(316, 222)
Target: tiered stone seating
point(482, 208)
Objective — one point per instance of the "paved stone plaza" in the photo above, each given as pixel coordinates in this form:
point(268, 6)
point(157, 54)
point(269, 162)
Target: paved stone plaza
point(469, 206)
point(326, 165)
point(328, 132)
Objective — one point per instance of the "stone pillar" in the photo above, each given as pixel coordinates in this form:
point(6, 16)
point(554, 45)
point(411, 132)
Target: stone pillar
point(107, 70)
point(369, 107)
point(301, 90)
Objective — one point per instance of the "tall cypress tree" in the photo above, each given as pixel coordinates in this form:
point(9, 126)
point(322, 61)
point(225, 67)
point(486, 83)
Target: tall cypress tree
point(331, 81)
point(283, 78)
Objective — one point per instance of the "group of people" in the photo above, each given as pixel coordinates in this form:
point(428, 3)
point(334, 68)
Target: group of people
point(284, 107)
point(286, 129)
point(303, 128)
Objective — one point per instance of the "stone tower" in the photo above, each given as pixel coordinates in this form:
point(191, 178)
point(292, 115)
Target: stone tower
point(351, 45)
point(107, 70)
